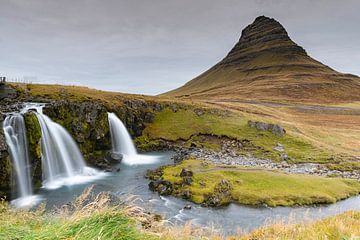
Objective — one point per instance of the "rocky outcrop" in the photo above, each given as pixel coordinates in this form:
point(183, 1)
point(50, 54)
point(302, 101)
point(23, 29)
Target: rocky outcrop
point(274, 128)
point(220, 196)
point(87, 122)
point(7, 104)
point(33, 135)
point(88, 125)
point(5, 167)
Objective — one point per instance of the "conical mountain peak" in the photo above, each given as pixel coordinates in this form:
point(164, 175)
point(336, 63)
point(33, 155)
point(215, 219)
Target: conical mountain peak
point(264, 35)
point(265, 64)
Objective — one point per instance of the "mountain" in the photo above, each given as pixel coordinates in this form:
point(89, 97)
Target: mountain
point(267, 65)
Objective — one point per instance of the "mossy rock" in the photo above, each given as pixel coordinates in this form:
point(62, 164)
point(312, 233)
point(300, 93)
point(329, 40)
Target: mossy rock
point(33, 134)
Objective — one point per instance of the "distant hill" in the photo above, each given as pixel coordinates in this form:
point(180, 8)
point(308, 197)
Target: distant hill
point(267, 65)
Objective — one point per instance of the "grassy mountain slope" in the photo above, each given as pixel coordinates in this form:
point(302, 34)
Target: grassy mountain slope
point(267, 65)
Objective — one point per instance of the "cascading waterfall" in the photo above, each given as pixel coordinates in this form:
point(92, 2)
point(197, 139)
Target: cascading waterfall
point(15, 135)
point(62, 162)
point(122, 143)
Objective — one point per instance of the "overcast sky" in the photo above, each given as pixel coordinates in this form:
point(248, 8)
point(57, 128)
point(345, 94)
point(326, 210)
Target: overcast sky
point(152, 46)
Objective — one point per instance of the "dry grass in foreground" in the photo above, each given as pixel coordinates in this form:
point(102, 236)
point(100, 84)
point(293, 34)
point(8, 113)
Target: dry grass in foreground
point(93, 216)
point(343, 226)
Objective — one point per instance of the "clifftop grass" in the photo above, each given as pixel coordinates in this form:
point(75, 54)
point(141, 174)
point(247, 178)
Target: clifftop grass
point(256, 186)
point(185, 123)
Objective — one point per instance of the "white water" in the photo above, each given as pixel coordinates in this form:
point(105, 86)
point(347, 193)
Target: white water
point(122, 143)
point(15, 135)
point(62, 162)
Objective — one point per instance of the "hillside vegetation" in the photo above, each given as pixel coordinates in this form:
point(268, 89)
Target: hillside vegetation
point(267, 65)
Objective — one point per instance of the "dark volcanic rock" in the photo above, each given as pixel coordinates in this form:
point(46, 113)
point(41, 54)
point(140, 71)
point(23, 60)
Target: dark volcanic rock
point(264, 35)
point(161, 186)
point(5, 167)
point(114, 157)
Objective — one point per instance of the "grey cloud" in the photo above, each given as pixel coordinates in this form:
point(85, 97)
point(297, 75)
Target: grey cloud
point(149, 47)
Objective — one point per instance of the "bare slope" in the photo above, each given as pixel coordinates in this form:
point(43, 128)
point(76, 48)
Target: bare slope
point(267, 65)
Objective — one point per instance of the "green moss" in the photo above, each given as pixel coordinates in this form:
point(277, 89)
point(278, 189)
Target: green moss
point(5, 176)
point(187, 125)
point(256, 186)
point(92, 137)
point(33, 134)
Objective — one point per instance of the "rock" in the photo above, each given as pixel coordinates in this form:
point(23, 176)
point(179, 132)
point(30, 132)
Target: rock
point(3, 145)
point(186, 173)
point(274, 128)
point(149, 117)
point(186, 194)
point(161, 186)
point(114, 157)
point(165, 189)
point(187, 180)
point(174, 107)
point(199, 111)
point(153, 185)
point(284, 157)
point(278, 130)
point(187, 207)
point(213, 201)
point(279, 147)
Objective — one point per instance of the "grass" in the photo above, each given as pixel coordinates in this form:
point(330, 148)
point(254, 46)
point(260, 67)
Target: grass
point(313, 136)
point(93, 218)
point(343, 226)
point(256, 186)
point(185, 124)
point(344, 166)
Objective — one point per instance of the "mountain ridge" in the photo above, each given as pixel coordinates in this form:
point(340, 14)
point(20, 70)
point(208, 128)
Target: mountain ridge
point(265, 64)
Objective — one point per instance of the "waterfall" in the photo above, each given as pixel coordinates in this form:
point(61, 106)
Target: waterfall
point(120, 138)
point(15, 136)
point(62, 162)
point(122, 143)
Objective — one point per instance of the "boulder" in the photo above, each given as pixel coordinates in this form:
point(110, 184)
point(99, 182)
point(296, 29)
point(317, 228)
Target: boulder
point(186, 194)
point(161, 186)
point(186, 173)
point(114, 157)
point(187, 207)
point(274, 128)
point(187, 180)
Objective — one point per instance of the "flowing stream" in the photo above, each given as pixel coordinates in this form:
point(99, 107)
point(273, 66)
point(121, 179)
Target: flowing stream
point(228, 220)
point(122, 143)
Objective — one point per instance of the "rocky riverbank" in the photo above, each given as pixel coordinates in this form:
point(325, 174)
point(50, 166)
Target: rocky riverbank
point(230, 158)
